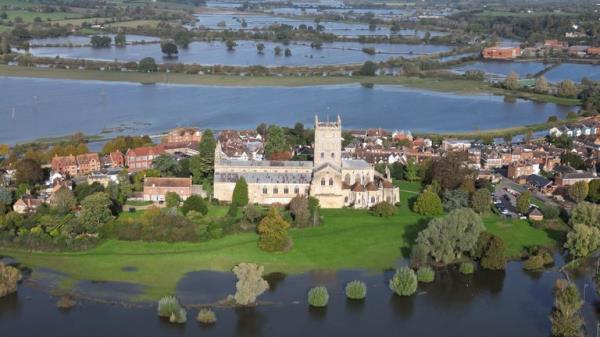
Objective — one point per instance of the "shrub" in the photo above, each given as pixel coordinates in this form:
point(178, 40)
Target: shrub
point(180, 316)
point(194, 203)
point(404, 282)
point(250, 283)
point(356, 290)
point(466, 268)
point(428, 203)
point(383, 209)
point(425, 274)
point(240, 193)
point(534, 262)
point(418, 255)
point(493, 257)
point(167, 306)
point(273, 234)
point(65, 303)
point(9, 276)
point(206, 316)
point(318, 297)
point(550, 212)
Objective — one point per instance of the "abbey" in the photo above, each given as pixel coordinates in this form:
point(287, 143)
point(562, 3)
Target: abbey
point(336, 182)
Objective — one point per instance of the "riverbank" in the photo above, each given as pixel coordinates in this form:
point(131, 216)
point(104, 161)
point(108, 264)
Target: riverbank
point(348, 239)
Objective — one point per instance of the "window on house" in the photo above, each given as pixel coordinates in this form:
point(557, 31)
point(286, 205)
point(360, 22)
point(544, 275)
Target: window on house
point(296, 190)
point(275, 190)
point(372, 200)
point(322, 155)
point(332, 155)
point(330, 181)
point(265, 191)
point(322, 181)
point(286, 190)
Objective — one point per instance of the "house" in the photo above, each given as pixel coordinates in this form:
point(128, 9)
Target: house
point(578, 51)
point(455, 144)
point(27, 205)
point(536, 215)
point(501, 53)
point(538, 182)
point(491, 160)
point(65, 165)
point(88, 163)
point(568, 179)
point(183, 135)
point(522, 169)
point(593, 51)
point(155, 189)
point(115, 159)
point(555, 44)
point(141, 158)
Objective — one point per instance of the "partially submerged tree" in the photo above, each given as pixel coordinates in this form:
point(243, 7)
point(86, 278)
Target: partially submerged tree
point(250, 283)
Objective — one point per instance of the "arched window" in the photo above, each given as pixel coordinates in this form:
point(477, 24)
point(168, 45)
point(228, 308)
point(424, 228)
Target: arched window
point(322, 181)
point(330, 181)
point(275, 190)
point(347, 178)
point(372, 200)
point(357, 178)
point(346, 199)
point(322, 155)
point(296, 190)
point(286, 190)
point(332, 155)
point(265, 190)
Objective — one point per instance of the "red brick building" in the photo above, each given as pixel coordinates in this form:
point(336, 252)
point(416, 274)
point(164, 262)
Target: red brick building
point(501, 53)
point(88, 163)
point(180, 135)
point(141, 158)
point(65, 165)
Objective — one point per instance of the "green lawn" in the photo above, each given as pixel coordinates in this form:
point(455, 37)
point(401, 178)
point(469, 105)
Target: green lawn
point(347, 239)
point(30, 16)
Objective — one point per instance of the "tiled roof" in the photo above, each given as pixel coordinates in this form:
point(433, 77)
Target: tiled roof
point(168, 182)
point(265, 178)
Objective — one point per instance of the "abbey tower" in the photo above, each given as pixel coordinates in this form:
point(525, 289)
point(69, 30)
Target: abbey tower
point(328, 142)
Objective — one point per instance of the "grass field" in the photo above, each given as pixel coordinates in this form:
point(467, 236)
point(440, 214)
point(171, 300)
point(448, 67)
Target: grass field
point(347, 239)
point(495, 13)
point(134, 23)
point(30, 16)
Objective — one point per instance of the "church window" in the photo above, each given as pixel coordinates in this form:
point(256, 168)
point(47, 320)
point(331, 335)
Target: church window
point(322, 155)
point(372, 200)
point(347, 178)
point(332, 155)
point(296, 190)
point(286, 190)
point(265, 190)
point(322, 181)
point(330, 181)
point(346, 199)
point(275, 190)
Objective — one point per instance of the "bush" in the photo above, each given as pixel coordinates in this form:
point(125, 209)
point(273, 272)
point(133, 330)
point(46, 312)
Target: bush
point(550, 212)
point(419, 255)
point(383, 209)
point(493, 257)
point(167, 306)
point(318, 297)
point(194, 203)
point(428, 203)
point(356, 290)
point(404, 282)
point(534, 262)
point(466, 268)
point(206, 316)
point(425, 274)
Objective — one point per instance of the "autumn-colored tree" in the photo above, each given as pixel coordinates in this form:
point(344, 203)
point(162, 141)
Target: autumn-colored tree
point(273, 232)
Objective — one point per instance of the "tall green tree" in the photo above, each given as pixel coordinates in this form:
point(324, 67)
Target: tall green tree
point(169, 48)
point(494, 254)
point(166, 165)
point(95, 211)
point(594, 190)
point(412, 170)
point(29, 171)
point(240, 193)
point(63, 200)
point(428, 203)
point(566, 318)
point(202, 165)
point(481, 201)
point(147, 65)
point(120, 40)
point(579, 191)
point(523, 201)
point(275, 143)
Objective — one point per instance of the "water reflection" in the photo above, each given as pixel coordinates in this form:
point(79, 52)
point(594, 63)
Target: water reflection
point(250, 322)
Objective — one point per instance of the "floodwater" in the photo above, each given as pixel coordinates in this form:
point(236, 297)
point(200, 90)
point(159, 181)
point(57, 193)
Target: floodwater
point(80, 39)
point(487, 303)
point(246, 54)
point(573, 72)
point(34, 108)
point(503, 68)
point(233, 21)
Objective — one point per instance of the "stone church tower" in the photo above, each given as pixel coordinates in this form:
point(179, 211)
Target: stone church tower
point(327, 175)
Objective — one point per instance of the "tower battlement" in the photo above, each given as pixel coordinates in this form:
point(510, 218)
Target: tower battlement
point(327, 124)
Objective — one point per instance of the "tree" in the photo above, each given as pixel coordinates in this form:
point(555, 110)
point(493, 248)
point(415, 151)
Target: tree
point(147, 65)
point(4, 45)
point(100, 41)
point(203, 164)
point(454, 199)
point(573, 159)
point(288, 52)
point(404, 282)
point(512, 81)
point(523, 202)
point(582, 240)
point(448, 238)
point(494, 254)
point(231, 45)
point(95, 211)
point(63, 200)
point(300, 212)
point(260, 47)
point(368, 69)
point(250, 283)
point(383, 209)
point(169, 48)
point(182, 38)
point(277, 50)
point(172, 199)
point(194, 203)
point(594, 190)
point(120, 40)
point(166, 165)
point(29, 171)
point(450, 170)
point(276, 142)
point(272, 231)
point(481, 201)
point(412, 170)
point(541, 85)
point(567, 88)
point(6, 200)
point(566, 320)
point(585, 213)
point(428, 203)
point(240, 193)
point(579, 191)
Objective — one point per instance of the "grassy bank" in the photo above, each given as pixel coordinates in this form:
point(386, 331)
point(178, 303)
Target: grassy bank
point(427, 83)
point(348, 239)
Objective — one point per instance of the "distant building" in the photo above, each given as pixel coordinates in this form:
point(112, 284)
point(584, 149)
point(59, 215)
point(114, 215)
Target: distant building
point(141, 158)
point(516, 170)
point(501, 53)
point(568, 179)
point(155, 189)
point(74, 165)
point(180, 135)
point(27, 205)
